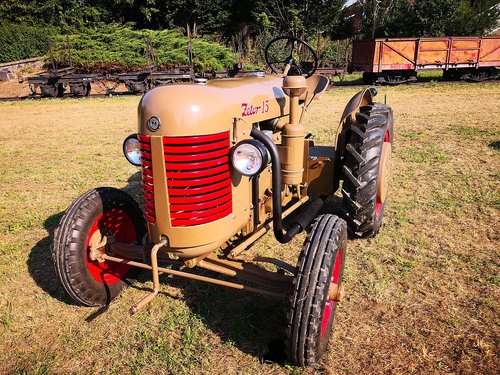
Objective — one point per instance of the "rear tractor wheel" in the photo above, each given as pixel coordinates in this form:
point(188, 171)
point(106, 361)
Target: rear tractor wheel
point(96, 213)
point(366, 169)
point(317, 290)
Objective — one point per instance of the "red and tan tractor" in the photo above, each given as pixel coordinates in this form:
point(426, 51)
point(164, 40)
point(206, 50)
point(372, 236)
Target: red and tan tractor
point(223, 162)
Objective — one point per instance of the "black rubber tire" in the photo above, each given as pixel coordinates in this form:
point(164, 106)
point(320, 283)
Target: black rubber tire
point(48, 91)
point(361, 168)
point(88, 88)
point(60, 90)
point(305, 345)
point(69, 250)
point(368, 78)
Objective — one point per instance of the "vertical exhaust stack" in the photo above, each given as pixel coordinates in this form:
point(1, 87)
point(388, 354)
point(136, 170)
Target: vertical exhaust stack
point(292, 150)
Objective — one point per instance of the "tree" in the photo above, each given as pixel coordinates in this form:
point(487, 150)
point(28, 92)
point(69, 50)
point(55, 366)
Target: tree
point(427, 18)
point(476, 17)
point(376, 15)
point(422, 18)
point(303, 18)
point(66, 15)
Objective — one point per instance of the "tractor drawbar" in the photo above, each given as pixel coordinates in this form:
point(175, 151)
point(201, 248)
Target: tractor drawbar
point(305, 217)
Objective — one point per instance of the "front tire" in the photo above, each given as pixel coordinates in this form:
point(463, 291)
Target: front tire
point(320, 268)
point(107, 210)
point(366, 169)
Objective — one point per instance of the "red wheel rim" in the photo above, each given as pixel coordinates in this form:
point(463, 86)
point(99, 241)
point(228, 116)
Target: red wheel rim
point(330, 304)
point(121, 225)
point(378, 204)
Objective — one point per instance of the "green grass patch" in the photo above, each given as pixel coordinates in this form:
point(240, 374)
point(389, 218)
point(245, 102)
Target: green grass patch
point(423, 154)
point(469, 132)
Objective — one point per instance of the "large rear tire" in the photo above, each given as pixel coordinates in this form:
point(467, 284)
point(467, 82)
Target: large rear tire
point(320, 269)
point(366, 169)
point(107, 210)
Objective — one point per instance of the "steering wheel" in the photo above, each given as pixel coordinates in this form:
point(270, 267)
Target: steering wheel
point(289, 51)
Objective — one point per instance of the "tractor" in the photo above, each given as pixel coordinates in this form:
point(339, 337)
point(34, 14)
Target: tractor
point(223, 162)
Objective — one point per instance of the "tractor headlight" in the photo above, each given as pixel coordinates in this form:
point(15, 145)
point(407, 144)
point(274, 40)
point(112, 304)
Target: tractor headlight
point(132, 150)
point(249, 157)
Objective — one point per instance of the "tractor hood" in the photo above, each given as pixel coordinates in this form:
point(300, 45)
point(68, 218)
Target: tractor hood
point(212, 107)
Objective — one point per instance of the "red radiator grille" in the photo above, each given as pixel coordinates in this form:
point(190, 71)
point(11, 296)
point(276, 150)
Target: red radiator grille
point(147, 178)
point(198, 178)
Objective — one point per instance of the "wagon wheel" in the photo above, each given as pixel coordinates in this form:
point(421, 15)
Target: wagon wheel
point(366, 169)
point(288, 50)
point(80, 88)
point(317, 290)
point(88, 87)
point(99, 211)
point(49, 90)
point(60, 90)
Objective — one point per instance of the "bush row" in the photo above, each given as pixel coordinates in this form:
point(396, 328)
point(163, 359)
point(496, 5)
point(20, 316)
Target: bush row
point(22, 41)
point(123, 46)
point(112, 45)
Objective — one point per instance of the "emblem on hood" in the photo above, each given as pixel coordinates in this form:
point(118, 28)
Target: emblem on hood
point(154, 123)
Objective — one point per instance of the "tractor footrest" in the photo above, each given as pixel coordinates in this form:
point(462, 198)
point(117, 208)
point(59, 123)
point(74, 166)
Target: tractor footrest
point(316, 152)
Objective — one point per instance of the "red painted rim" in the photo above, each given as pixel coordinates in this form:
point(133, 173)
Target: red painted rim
point(330, 304)
point(378, 204)
point(115, 221)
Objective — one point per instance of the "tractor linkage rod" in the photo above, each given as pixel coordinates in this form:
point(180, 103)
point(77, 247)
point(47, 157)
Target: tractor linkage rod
point(305, 217)
point(156, 283)
point(156, 276)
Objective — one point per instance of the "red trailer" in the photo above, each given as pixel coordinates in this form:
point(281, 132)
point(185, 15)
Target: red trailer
point(397, 60)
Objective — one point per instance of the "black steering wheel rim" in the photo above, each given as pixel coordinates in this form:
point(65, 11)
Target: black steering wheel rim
point(293, 64)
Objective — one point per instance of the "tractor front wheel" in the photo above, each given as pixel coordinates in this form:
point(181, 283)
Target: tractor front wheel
point(317, 289)
point(366, 169)
point(99, 212)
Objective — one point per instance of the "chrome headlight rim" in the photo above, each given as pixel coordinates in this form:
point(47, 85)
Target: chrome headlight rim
point(260, 149)
point(132, 138)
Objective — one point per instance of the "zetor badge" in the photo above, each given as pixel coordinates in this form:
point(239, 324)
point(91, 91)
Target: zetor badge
point(229, 162)
point(250, 109)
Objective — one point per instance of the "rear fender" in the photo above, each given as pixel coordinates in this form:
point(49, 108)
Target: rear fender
point(362, 98)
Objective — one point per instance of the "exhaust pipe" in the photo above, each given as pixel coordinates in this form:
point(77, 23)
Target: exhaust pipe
point(305, 217)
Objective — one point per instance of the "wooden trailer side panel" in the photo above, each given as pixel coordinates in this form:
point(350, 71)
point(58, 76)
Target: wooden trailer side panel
point(490, 52)
point(395, 54)
point(464, 52)
point(363, 54)
point(432, 52)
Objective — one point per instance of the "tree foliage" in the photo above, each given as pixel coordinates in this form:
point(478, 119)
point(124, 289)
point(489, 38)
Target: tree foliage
point(411, 18)
point(20, 41)
point(303, 17)
point(246, 26)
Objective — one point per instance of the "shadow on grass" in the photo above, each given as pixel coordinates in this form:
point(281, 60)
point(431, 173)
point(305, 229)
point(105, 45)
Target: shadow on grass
point(40, 265)
point(495, 145)
point(247, 321)
point(253, 323)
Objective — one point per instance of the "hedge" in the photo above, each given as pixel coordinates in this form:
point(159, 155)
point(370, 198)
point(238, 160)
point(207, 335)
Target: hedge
point(22, 41)
point(121, 45)
point(111, 45)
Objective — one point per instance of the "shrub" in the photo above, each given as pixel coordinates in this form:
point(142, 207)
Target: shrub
point(20, 41)
point(121, 46)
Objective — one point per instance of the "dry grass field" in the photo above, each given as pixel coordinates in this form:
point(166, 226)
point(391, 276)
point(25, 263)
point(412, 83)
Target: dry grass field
point(423, 297)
